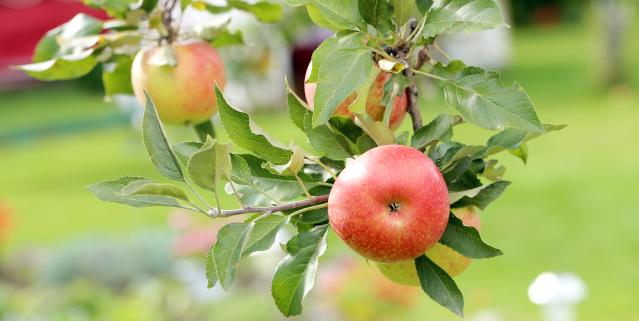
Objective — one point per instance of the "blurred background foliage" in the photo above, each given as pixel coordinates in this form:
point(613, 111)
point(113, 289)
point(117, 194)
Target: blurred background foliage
point(64, 255)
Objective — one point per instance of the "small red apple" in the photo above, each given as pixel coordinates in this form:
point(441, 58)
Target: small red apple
point(374, 106)
point(390, 204)
point(183, 93)
point(449, 260)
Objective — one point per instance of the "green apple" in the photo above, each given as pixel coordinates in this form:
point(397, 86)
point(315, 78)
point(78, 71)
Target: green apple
point(183, 91)
point(448, 259)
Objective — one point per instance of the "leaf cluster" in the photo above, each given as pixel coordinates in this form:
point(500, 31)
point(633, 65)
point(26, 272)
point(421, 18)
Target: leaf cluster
point(281, 185)
point(76, 47)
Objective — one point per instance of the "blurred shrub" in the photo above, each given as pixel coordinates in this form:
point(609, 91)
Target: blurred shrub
point(110, 262)
point(547, 11)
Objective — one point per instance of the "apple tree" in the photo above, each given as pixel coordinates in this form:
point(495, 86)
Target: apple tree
point(360, 84)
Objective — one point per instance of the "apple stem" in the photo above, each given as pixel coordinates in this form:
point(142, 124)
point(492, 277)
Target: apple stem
point(270, 209)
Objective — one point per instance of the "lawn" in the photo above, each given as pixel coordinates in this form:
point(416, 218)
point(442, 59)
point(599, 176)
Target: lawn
point(572, 208)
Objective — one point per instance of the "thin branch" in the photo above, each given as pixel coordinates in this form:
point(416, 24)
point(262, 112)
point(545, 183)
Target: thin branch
point(421, 73)
point(310, 208)
point(411, 93)
point(299, 181)
point(271, 209)
point(217, 201)
point(237, 196)
point(193, 208)
point(413, 109)
point(167, 20)
point(197, 194)
point(416, 30)
point(436, 46)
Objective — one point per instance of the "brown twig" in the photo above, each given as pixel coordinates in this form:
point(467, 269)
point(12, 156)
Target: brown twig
point(411, 90)
point(412, 96)
point(270, 209)
point(167, 20)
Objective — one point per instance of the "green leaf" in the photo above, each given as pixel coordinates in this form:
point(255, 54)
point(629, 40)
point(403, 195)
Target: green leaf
point(263, 10)
point(317, 18)
point(185, 3)
point(462, 15)
point(339, 76)
point(238, 127)
point(211, 271)
point(440, 127)
point(295, 274)
point(481, 196)
point(481, 98)
point(402, 138)
point(58, 42)
point(294, 165)
point(493, 171)
point(521, 152)
point(265, 187)
point(156, 144)
point(62, 68)
point(150, 188)
point(185, 150)
point(403, 9)
point(204, 130)
point(365, 143)
point(218, 34)
point(125, 191)
point(453, 172)
point(375, 12)
point(227, 251)
point(209, 164)
point(341, 40)
point(115, 8)
point(227, 38)
point(439, 286)
point(314, 216)
point(424, 5)
point(380, 133)
point(116, 75)
point(393, 88)
point(513, 140)
point(148, 5)
point(240, 172)
point(325, 141)
point(263, 234)
point(340, 13)
point(474, 151)
point(297, 108)
point(346, 126)
point(466, 240)
point(506, 139)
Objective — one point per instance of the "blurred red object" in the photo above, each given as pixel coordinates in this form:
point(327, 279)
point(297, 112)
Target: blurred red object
point(23, 23)
point(5, 221)
point(192, 239)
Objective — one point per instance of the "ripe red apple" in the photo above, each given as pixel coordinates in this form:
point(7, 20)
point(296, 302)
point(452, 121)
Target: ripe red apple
point(374, 106)
point(183, 93)
point(449, 260)
point(390, 204)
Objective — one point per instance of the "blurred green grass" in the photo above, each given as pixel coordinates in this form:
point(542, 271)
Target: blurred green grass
point(573, 208)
